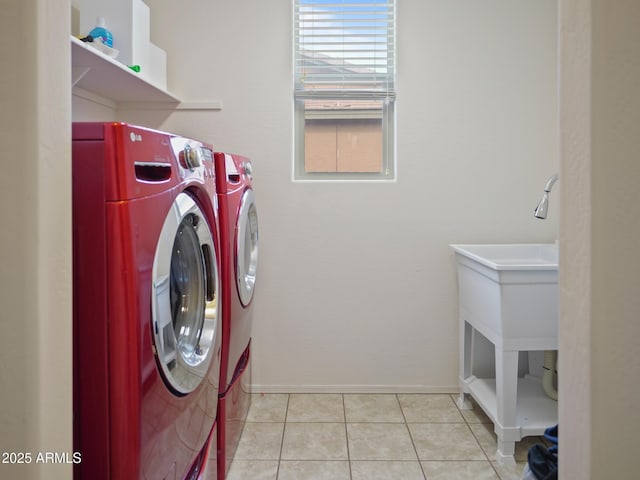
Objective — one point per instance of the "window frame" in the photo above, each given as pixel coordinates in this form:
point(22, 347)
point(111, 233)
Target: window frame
point(384, 93)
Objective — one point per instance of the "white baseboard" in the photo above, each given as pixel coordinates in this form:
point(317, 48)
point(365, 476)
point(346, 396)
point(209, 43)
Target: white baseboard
point(353, 389)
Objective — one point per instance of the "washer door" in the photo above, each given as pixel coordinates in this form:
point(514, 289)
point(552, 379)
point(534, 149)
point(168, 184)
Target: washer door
point(247, 247)
point(185, 297)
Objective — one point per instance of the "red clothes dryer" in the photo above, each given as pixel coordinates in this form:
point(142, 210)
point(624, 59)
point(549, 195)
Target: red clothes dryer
point(147, 299)
point(239, 255)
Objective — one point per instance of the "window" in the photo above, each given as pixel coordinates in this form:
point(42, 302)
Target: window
point(344, 89)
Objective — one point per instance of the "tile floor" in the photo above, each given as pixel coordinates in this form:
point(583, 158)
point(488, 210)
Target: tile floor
point(369, 437)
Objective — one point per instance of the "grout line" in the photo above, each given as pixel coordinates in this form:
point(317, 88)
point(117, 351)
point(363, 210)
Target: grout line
point(476, 437)
point(346, 434)
point(284, 428)
point(406, 425)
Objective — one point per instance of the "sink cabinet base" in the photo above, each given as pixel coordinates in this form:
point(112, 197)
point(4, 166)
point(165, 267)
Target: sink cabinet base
point(507, 294)
point(517, 406)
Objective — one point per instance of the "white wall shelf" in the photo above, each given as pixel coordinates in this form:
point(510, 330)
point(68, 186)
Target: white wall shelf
point(95, 72)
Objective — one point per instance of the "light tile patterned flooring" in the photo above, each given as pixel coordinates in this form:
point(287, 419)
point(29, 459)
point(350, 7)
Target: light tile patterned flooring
point(369, 437)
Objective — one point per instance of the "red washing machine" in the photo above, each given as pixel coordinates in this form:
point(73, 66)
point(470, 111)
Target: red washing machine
point(239, 255)
point(147, 334)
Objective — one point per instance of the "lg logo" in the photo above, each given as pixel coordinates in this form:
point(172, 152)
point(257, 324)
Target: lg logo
point(135, 137)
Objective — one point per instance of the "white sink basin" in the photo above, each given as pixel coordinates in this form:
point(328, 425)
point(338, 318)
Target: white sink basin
point(509, 292)
point(512, 256)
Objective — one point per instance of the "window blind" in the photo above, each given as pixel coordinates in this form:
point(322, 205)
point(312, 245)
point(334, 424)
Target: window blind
point(344, 48)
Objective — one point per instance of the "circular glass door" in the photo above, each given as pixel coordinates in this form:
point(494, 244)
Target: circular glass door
point(247, 247)
point(185, 296)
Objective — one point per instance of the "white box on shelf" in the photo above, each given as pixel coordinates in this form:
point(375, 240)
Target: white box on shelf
point(129, 23)
point(155, 69)
point(140, 33)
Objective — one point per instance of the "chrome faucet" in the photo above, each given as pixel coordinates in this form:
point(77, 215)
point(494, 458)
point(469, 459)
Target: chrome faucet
point(543, 206)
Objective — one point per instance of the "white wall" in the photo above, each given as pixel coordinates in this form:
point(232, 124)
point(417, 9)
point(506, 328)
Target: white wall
point(35, 238)
point(357, 286)
point(600, 333)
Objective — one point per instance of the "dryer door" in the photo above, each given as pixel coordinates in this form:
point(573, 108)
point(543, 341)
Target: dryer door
point(247, 247)
point(185, 302)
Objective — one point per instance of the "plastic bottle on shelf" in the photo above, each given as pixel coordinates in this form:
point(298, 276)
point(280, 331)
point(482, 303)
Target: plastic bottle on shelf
point(101, 32)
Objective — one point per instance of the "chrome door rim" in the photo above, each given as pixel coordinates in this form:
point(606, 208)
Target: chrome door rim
point(185, 301)
point(247, 247)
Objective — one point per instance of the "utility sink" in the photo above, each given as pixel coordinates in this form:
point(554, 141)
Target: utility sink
point(509, 292)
